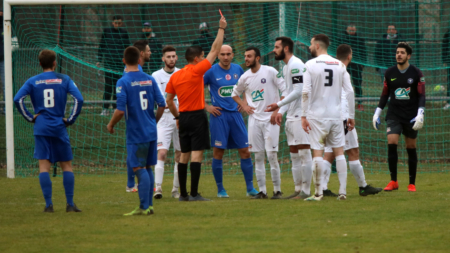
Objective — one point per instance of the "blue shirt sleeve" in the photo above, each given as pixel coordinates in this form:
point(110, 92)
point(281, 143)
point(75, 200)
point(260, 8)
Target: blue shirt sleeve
point(19, 100)
point(121, 95)
point(159, 98)
point(78, 102)
point(206, 78)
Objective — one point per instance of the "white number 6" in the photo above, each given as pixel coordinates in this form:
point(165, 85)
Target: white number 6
point(144, 101)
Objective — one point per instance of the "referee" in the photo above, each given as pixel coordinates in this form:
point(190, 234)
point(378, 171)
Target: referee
point(187, 85)
point(404, 84)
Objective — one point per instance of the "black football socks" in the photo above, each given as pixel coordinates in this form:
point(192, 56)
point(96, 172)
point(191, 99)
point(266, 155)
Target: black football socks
point(412, 164)
point(195, 177)
point(182, 178)
point(392, 160)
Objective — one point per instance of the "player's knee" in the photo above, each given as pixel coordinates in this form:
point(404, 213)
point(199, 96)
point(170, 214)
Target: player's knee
point(162, 154)
point(329, 157)
point(259, 158)
point(353, 154)
point(218, 153)
point(244, 153)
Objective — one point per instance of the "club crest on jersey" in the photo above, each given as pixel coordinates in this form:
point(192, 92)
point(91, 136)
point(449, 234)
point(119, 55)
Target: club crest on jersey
point(257, 95)
point(263, 80)
point(225, 91)
point(236, 76)
point(118, 89)
point(402, 93)
point(410, 80)
point(228, 77)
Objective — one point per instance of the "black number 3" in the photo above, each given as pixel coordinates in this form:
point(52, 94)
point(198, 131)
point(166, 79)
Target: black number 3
point(329, 77)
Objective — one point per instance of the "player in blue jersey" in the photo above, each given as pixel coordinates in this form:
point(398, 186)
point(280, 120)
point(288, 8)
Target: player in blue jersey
point(137, 92)
point(144, 55)
point(227, 126)
point(48, 92)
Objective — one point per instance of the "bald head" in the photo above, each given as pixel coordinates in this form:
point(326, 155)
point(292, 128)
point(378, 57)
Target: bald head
point(225, 56)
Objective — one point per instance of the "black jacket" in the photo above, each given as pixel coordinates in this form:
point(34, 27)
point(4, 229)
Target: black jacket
point(358, 45)
point(205, 41)
point(385, 51)
point(112, 45)
point(446, 48)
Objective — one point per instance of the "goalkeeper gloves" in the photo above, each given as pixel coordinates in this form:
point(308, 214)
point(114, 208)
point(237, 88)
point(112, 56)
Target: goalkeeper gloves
point(376, 118)
point(418, 119)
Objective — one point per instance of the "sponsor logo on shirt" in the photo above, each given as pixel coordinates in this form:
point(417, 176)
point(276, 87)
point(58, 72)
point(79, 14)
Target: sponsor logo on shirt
point(304, 70)
point(410, 80)
point(257, 95)
point(263, 80)
point(329, 62)
point(218, 143)
point(118, 89)
point(146, 83)
point(136, 83)
point(228, 77)
point(236, 76)
point(225, 91)
point(160, 144)
point(49, 81)
point(402, 93)
point(279, 75)
point(295, 71)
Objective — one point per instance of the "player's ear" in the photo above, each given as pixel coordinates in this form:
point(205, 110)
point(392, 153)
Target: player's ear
point(54, 64)
point(123, 60)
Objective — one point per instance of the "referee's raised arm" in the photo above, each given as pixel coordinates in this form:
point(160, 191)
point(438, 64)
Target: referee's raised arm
point(217, 45)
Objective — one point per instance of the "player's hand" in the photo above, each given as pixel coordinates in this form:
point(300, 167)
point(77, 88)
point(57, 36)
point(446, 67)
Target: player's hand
point(271, 107)
point(178, 124)
point(98, 64)
point(65, 122)
point(223, 22)
point(419, 120)
point(278, 119)
point(376, 121)
point(110, 129)
point(305, 125)
point(214, 110)
point(248, 109)
point(34, 117)
point(351, 124)
point(273, 118)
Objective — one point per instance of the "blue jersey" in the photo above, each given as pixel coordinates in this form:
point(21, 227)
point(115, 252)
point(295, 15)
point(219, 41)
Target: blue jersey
point(139, 67)
point(137, 92)
point(48, 92)
point(221, 83)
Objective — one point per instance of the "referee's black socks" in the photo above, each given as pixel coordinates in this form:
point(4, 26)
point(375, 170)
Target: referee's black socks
point(182, 178)
point(392, 160)
point(412, 164)
point(195, 177)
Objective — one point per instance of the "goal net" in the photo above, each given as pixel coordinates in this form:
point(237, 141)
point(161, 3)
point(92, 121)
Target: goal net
point(75, 32)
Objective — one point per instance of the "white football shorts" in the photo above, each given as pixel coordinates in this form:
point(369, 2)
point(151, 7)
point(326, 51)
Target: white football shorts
point(326, 133)
point(167, 131)
point(351, 141)
point(262, 135)
point(295, 134)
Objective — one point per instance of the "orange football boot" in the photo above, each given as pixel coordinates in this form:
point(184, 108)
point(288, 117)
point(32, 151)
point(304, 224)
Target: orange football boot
point(393, 185)
point(411, 188)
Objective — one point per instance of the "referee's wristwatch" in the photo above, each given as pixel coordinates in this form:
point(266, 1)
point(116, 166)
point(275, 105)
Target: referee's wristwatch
point(177, 117)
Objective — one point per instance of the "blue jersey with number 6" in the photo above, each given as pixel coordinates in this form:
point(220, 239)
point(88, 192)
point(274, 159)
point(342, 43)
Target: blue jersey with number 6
point(137, 93)
point(48, 92)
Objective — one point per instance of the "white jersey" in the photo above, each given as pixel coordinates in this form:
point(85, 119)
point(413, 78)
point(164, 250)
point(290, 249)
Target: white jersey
point(293, 74)
point(344, 102)
point(261, 89)
point(162, 78)
point(323, 84)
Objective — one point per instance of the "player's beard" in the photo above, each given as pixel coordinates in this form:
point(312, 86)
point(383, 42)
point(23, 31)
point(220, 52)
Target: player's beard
point(253, 64)
point(281, 56)
point(401, 62)
point(314, 53)
point(147, 59)
point(171, 66)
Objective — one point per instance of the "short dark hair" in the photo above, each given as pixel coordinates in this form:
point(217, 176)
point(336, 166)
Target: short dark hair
point(343, 51)
point(322, 38)
point(131, 55)
point(392, 25)
point(46, 58)
point(117, 17)
point(406, 46)
point(192, 52)
point(169, 49)
point(141, 45)
point(286, 42)
point(257, 52)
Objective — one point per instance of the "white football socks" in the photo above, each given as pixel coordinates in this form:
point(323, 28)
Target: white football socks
point(260, 171)
point(318, 173)
point(159, 173)
point(274, 170)
point(176, 183)
point(341, 169)
point(358, 172)
point(326, 174)
point(307, 169)
point(297, 171)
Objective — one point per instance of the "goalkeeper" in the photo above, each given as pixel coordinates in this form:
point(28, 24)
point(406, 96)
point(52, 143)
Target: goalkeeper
point(404, 84)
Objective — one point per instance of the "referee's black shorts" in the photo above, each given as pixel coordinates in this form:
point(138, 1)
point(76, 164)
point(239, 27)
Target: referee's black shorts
point(194, 131)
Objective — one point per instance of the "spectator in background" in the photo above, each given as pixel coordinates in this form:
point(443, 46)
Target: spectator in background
point(358, 45)
point(112, 44)
point(386, 48)
point(205, 40)
point(446, 61)
point(155, 45)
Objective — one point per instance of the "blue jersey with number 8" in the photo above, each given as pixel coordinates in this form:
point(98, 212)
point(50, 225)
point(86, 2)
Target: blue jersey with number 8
point(48, 92)
point(137, 93)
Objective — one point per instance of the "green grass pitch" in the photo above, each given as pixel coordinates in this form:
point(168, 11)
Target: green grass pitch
point(398, 221)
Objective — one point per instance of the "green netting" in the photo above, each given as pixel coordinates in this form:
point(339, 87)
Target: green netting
point(75, 31)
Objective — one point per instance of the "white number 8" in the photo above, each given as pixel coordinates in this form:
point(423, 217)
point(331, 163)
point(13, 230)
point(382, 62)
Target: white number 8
point(144, 101)
point(49, 98)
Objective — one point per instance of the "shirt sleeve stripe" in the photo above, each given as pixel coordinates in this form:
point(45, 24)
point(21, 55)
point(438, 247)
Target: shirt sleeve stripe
point(75, 108)
point(24, 111)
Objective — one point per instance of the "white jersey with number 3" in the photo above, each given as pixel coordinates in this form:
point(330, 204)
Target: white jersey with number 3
point(323, 84)
point(261, 89)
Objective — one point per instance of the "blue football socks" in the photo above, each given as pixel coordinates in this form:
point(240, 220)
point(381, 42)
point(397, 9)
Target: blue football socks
point(247, 169)
point(152, 185)
point(69, 184)
point(143, 188)
point(46, 186)
point(130, 173)
point(217, 169)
